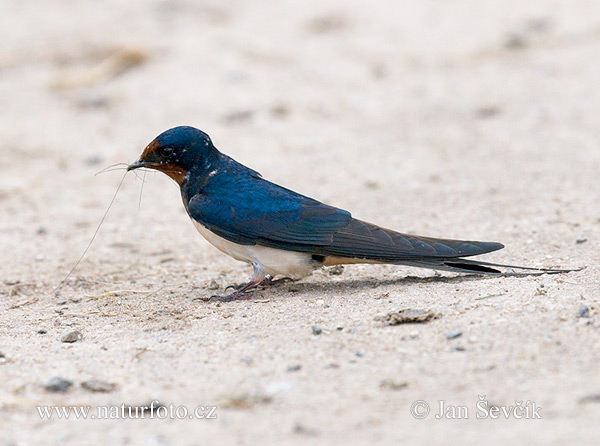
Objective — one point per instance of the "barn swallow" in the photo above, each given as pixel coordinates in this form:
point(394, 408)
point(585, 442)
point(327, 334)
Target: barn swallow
point(281, 232)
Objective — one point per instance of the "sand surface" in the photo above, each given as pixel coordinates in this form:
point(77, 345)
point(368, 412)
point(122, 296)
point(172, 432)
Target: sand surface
point(463, 119)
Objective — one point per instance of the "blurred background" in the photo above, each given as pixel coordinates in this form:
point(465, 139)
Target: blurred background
point(464, 119)
point(409, 93)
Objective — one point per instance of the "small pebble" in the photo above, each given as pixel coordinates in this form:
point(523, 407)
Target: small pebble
point(407, 316)
point(72, 336)
point(335, 270)
point(95, 385)
point(453, 334)
point(42, 331)
point(293, 368)
point(390, 384)
point(58, 384)
point(244, 400)
point(41, 230)
point(61, 302)
point(458, 349)
point(317, 330)
point(581, 240)
point(584, 311)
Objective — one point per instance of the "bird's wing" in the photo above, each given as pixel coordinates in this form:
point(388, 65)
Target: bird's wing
point(250, 210)
point(259, 212)
point(256, 211)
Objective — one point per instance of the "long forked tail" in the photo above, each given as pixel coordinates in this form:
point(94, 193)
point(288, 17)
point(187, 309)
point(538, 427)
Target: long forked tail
point(460, 265)
point(361, 241)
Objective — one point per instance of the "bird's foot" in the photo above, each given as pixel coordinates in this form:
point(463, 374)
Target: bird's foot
point(245, 290)
point(235, 288)
point(267, 281)
point(236, 295)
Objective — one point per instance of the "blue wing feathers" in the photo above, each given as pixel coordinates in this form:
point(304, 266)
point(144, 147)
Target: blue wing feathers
point(257, 209)
point(246, 209)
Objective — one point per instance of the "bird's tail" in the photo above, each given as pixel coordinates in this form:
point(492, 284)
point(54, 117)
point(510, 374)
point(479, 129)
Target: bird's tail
point(360, 242)
point(460, 265)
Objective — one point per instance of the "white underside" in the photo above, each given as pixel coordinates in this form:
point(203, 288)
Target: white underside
point(275, 262)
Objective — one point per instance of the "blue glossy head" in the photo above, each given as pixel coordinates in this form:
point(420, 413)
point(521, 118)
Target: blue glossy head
point(178, 151)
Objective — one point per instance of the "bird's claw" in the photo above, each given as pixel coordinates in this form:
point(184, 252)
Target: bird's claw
point(236, 295)
point(244, 291)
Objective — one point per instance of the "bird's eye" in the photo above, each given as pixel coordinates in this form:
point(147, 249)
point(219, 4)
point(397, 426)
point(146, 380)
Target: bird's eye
point(166, 151)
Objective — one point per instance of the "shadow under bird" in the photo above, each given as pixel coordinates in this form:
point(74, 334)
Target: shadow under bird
point(283, 233)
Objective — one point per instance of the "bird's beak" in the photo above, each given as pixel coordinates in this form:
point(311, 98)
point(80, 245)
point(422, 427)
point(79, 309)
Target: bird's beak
point(139, 163)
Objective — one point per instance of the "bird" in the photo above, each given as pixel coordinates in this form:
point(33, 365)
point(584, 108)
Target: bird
point(284, 233)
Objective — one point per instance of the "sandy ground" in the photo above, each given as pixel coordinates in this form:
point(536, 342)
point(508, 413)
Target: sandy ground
point(464, 119)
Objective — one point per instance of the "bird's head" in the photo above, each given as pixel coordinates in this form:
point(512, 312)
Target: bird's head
point(176, 152)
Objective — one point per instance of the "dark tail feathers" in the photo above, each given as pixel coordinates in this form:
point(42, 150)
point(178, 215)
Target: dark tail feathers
point(477, 267)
